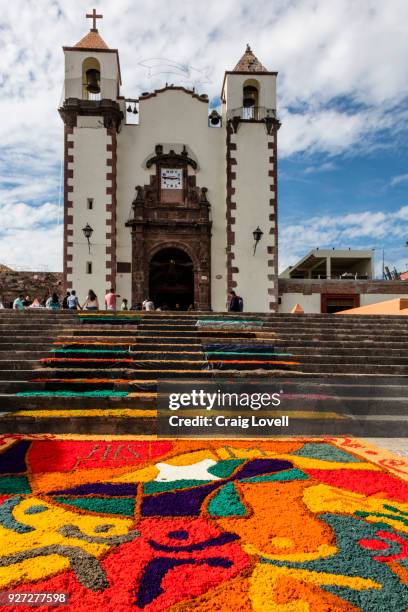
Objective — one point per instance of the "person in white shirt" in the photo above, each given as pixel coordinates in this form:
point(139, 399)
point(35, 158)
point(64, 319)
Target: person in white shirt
point(72, 301)
point(91, 302)
point(148, 304)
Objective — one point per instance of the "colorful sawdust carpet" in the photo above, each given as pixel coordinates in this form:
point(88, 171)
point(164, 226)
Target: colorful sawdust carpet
point(130, 524)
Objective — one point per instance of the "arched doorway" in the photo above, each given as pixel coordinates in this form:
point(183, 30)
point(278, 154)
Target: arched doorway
point(171, 279)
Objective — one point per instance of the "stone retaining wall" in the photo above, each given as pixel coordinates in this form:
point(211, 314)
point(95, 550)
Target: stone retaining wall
point(35, 284)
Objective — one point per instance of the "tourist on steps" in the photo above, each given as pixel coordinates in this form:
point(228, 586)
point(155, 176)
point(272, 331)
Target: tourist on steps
point(65, 301)
point(235, 303)
point(91, 302)
point(110, 299)
point(53, 302)
point(35, 303)
point(73, 302)
point(124, 305)
point(18, 303)
point(148, 304)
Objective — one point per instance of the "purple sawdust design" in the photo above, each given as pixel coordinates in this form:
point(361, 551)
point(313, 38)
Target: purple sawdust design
point(258, 467)
point(180, 534)
point(110, 489)
point(150, 584)
point(12, 460)
point(188, 502)
point(224, 538)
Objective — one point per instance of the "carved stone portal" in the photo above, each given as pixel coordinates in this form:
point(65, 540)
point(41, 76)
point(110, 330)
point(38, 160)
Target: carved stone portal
point(184, 224)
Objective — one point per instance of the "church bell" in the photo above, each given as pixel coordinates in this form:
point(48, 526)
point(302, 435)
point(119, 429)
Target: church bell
point(250, 96)
point(93, 78)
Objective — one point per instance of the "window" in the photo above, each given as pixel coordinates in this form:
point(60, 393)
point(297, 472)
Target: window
point(89, 267)
point(90, 202)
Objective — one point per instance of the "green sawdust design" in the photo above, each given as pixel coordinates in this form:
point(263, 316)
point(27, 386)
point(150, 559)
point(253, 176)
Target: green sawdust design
point(355, 561)
point(325, 452)
point(14, 484)
point(101, 393)
point(226, 502)
point(225, 468)
point(394, 517)
point(285, 476)
point(157, 487)
point(118, 505)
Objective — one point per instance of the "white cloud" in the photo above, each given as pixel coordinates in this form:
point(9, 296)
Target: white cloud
point(325, 167)
point(323, 51)
point(34, 248)
point(357, 230)
point(396, 180)
point(342, 80)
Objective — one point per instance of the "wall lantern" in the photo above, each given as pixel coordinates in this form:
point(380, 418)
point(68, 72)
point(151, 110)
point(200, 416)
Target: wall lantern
point(257, 234)
point(88, 231)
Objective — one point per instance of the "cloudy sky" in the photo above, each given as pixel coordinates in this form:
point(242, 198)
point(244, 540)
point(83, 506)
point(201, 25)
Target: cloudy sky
point(342, 99)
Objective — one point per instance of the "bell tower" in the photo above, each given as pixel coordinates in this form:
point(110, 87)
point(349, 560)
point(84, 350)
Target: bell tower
point(249, 114)
point(92, 114)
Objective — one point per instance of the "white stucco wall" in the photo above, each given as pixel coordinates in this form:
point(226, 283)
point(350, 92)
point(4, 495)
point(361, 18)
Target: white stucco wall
point(309, 303)
point(174, 118)
point(252, 195)
point(89, 181)
point(312, 303)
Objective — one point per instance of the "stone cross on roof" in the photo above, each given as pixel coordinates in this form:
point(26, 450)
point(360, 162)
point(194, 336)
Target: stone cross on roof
point(94, 17)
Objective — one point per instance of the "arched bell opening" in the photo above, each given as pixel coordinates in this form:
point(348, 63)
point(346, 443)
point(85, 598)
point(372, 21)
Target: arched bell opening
point(250, 99)
point(91, 79)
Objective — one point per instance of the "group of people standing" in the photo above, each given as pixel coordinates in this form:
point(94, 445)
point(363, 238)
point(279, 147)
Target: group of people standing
point(71, 302)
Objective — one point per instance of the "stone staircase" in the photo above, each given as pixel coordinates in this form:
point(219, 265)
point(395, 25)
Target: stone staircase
point(98, 372)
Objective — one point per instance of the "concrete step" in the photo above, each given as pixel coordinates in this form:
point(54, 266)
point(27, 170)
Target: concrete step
point(148, 401)
point(352, 368)
point(196, 355)
point(89, 425)
point(362, 351)
point(343, 386)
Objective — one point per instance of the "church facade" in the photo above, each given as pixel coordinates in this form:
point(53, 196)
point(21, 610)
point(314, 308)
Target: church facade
point(180, 207)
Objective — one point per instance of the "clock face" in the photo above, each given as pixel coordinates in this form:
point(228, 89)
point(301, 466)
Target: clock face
point(172, 178)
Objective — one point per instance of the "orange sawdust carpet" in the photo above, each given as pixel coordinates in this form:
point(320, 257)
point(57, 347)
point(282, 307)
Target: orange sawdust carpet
point(120, 523)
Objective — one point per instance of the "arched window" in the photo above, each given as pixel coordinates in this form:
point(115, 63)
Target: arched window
point(250, 99)
point(91, 79)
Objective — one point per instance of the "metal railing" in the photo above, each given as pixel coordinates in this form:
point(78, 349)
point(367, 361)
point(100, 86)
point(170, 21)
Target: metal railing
point(250, 113)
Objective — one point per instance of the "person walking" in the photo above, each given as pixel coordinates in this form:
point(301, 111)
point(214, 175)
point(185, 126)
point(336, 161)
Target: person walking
point(91, 302)
point(18, 303)
point(72, 301)
point(53, 302)
point(110, 299)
